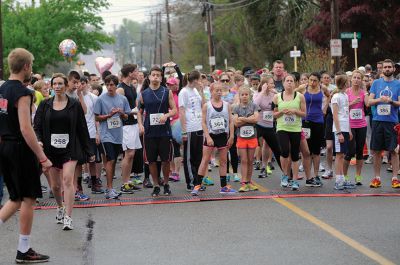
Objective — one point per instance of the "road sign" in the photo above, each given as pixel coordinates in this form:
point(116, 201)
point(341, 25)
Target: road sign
point(198, 67)
point(354, 43)
point(295, 54)
point(336, 47)
point(211, 60)
point(349, 35)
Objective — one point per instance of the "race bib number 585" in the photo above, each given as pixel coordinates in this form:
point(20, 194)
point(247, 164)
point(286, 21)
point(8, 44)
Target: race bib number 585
point(383, 109)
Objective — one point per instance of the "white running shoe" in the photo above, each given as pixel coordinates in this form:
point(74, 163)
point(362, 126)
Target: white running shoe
point(67, 223)
point(60, 215)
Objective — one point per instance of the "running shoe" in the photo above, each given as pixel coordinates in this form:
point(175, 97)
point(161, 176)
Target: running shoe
point(167, 190)
point(97, 187)
point(30, 256)
point(312, 183)
point(136, 180)
point(189, 187)
point(263, 174)
point(126, 189)
point(67, 223)
point(395, 183)
point(349, 185)
point(228, 177)
point(208, 181)
point(133, 186)
point(111, 194)
point(44, 189)
point(86, 178)
point(321, 168)
point(284, 181)
point(209, 168)
point(156, 191)
point(358, 180)
point(301, 168)
point(295, 185)
point(369, 160)
point(257, 165)
point(339, 185)
point(252, 187)
point(147, 183)
point(60, 215)
point(244, 187)
point(375, 183)
point(323, 152)
point(236, 177)
point(203, 188)
point(318, 180)
point(385, 160)
point(268, 170)
point(271, 166)
point(389, 169)
point(227, 190)
point(195, 191)
point(328, 174)
point(174, 177)
point(79, 196)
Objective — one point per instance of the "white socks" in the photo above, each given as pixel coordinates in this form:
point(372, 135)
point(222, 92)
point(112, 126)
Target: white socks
point(23, 243)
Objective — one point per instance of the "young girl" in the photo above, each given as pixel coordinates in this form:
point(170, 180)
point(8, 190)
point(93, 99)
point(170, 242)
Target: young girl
point(218, 133)
point(341, 129)
point(245, 118)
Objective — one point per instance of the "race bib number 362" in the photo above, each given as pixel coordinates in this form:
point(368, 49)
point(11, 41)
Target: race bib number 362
point(246, 131)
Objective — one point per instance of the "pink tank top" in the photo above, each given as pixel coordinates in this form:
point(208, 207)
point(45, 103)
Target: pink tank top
point(356, 112)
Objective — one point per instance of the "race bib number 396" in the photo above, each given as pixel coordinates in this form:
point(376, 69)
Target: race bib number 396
point(268, 116)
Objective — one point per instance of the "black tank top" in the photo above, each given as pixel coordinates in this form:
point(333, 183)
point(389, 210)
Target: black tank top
point(131, 95)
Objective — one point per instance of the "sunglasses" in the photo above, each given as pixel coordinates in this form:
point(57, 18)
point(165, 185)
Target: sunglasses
point(225, 80)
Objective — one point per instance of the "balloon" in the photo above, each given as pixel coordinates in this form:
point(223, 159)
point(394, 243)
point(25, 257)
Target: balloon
point(67, 48)
point(177, 131)
point(103, 64)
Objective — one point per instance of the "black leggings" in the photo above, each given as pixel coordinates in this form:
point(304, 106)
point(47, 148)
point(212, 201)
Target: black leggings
point(289, 143)
point(234, 157)
point(356, 145)
point(315, 141)
point(269, 135)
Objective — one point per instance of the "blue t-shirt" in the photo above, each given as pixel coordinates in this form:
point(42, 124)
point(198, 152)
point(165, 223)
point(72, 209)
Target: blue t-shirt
point(111, 130)
point(384, 111)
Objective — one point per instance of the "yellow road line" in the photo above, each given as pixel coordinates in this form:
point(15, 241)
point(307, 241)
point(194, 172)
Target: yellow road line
point(260, 188)
point(336, 233)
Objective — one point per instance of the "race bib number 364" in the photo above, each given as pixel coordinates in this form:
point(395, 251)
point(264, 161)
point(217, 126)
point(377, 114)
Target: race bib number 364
point(217, 124)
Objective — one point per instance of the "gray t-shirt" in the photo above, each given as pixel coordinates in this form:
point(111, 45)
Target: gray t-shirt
point(248, 130)
point(111, 130)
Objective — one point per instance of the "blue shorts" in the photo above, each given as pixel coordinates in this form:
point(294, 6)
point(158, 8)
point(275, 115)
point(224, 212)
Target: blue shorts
point(339, 147)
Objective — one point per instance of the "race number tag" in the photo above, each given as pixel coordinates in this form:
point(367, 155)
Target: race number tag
point(356, 114)
point(289, 119)
point(268, 116)
point(383, 109)
point(113, 122)
point(155, 119)
point(59, 140)
point(217, 124)
point(307, 132)
point(246, 131)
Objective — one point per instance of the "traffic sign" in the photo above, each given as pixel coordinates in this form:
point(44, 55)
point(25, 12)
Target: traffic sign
point(336, 47)
point(211, 60)
point(354, 43)
point(350, 35)
point(198, 67)
point(295, 54)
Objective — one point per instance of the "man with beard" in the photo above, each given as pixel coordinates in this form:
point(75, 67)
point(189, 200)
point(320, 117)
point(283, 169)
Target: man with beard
point(385, 96)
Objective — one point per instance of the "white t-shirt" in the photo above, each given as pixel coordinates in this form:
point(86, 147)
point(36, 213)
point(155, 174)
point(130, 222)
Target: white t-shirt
point(190, 99)
point(342, 101)
point(90, 100)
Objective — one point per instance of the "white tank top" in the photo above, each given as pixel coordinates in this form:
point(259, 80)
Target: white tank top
point(217, 122)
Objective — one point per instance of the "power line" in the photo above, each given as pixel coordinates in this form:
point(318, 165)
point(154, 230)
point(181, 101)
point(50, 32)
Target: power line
point(236, 7)
point(226, 4)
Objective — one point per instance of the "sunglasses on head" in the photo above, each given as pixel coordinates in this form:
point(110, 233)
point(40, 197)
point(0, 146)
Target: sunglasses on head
point(225, 80)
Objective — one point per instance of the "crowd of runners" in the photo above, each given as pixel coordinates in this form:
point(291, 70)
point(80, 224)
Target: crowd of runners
point(74, 128)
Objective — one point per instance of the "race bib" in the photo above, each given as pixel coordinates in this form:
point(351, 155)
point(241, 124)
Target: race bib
point(59, 140)
point(217, 124)
point(268, 116)
point(246, 131)
point(155, 119)
point(307, 132)
point(289, 119)
point(113, 122)
point(356, 114)
point(383, 109)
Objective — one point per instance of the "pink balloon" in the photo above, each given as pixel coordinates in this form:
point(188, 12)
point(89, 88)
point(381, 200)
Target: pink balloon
point(103, 64)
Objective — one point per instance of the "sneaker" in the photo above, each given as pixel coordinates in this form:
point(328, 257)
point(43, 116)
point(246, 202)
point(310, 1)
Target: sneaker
point(271, 166)
point(321, 168)
point(86, 178)
point(167, 190)
point(375, 183)
point(369, 160)
point(236, 177)
point(44, 189)
point(147, 183)
point(252, 187)
point(385, 160)
point(263, 174)
point(126, 189)
point(328, 174)
point(209, 168)
point(268, 170)
point(257, 165)
point(207, 181)
point(244, 187)
point(395, 184)
point(97, 187)
point(30, 256)
point(189, 187)
point(156, 191)
point(301, 168)
point(312, 183)
point(318, 180)
point(284, 181)
point(111, 194)
point(133, 186)
point(349, 185)
point(389, 169)
point(227, 190)
point(79, 196)
point(203, 188)
point(136, 180)
point(60, 215)
point(339, 186)
point(195, 191)
point(67, 223)
point(295, 185)
point(358, 180)
point(228, 177)
point(174, 177)
point(323, 152)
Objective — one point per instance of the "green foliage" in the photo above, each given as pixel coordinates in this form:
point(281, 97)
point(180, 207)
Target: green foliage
point(41, 28)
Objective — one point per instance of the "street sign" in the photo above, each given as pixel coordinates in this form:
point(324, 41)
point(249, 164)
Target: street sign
point(198, 67)
point(211, 60)
point(336, 47)
point(349, 35)
point(295, 54)
point(354, 43)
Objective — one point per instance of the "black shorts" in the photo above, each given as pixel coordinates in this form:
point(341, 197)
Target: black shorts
point(59, 160)
point(155, 147)
point(21, 170)
point(339, 147)
point(328, 127)
point(112, 150)
point(383, 136)
point(176, 149)
point(220, 140)
point(95, 149)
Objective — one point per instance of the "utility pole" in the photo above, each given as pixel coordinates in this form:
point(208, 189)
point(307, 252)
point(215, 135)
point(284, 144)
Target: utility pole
point(171, 56)
point(141, 48)
point(160, 40)
point(1, 46)
point(211, 55)
point(335, 32)
point(155, 41)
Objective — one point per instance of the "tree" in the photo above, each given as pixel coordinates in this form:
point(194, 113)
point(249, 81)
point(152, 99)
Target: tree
point(378, 21)
point(41, 28)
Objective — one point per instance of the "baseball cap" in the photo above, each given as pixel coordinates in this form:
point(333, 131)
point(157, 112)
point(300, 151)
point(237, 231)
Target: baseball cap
point(172, 81)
